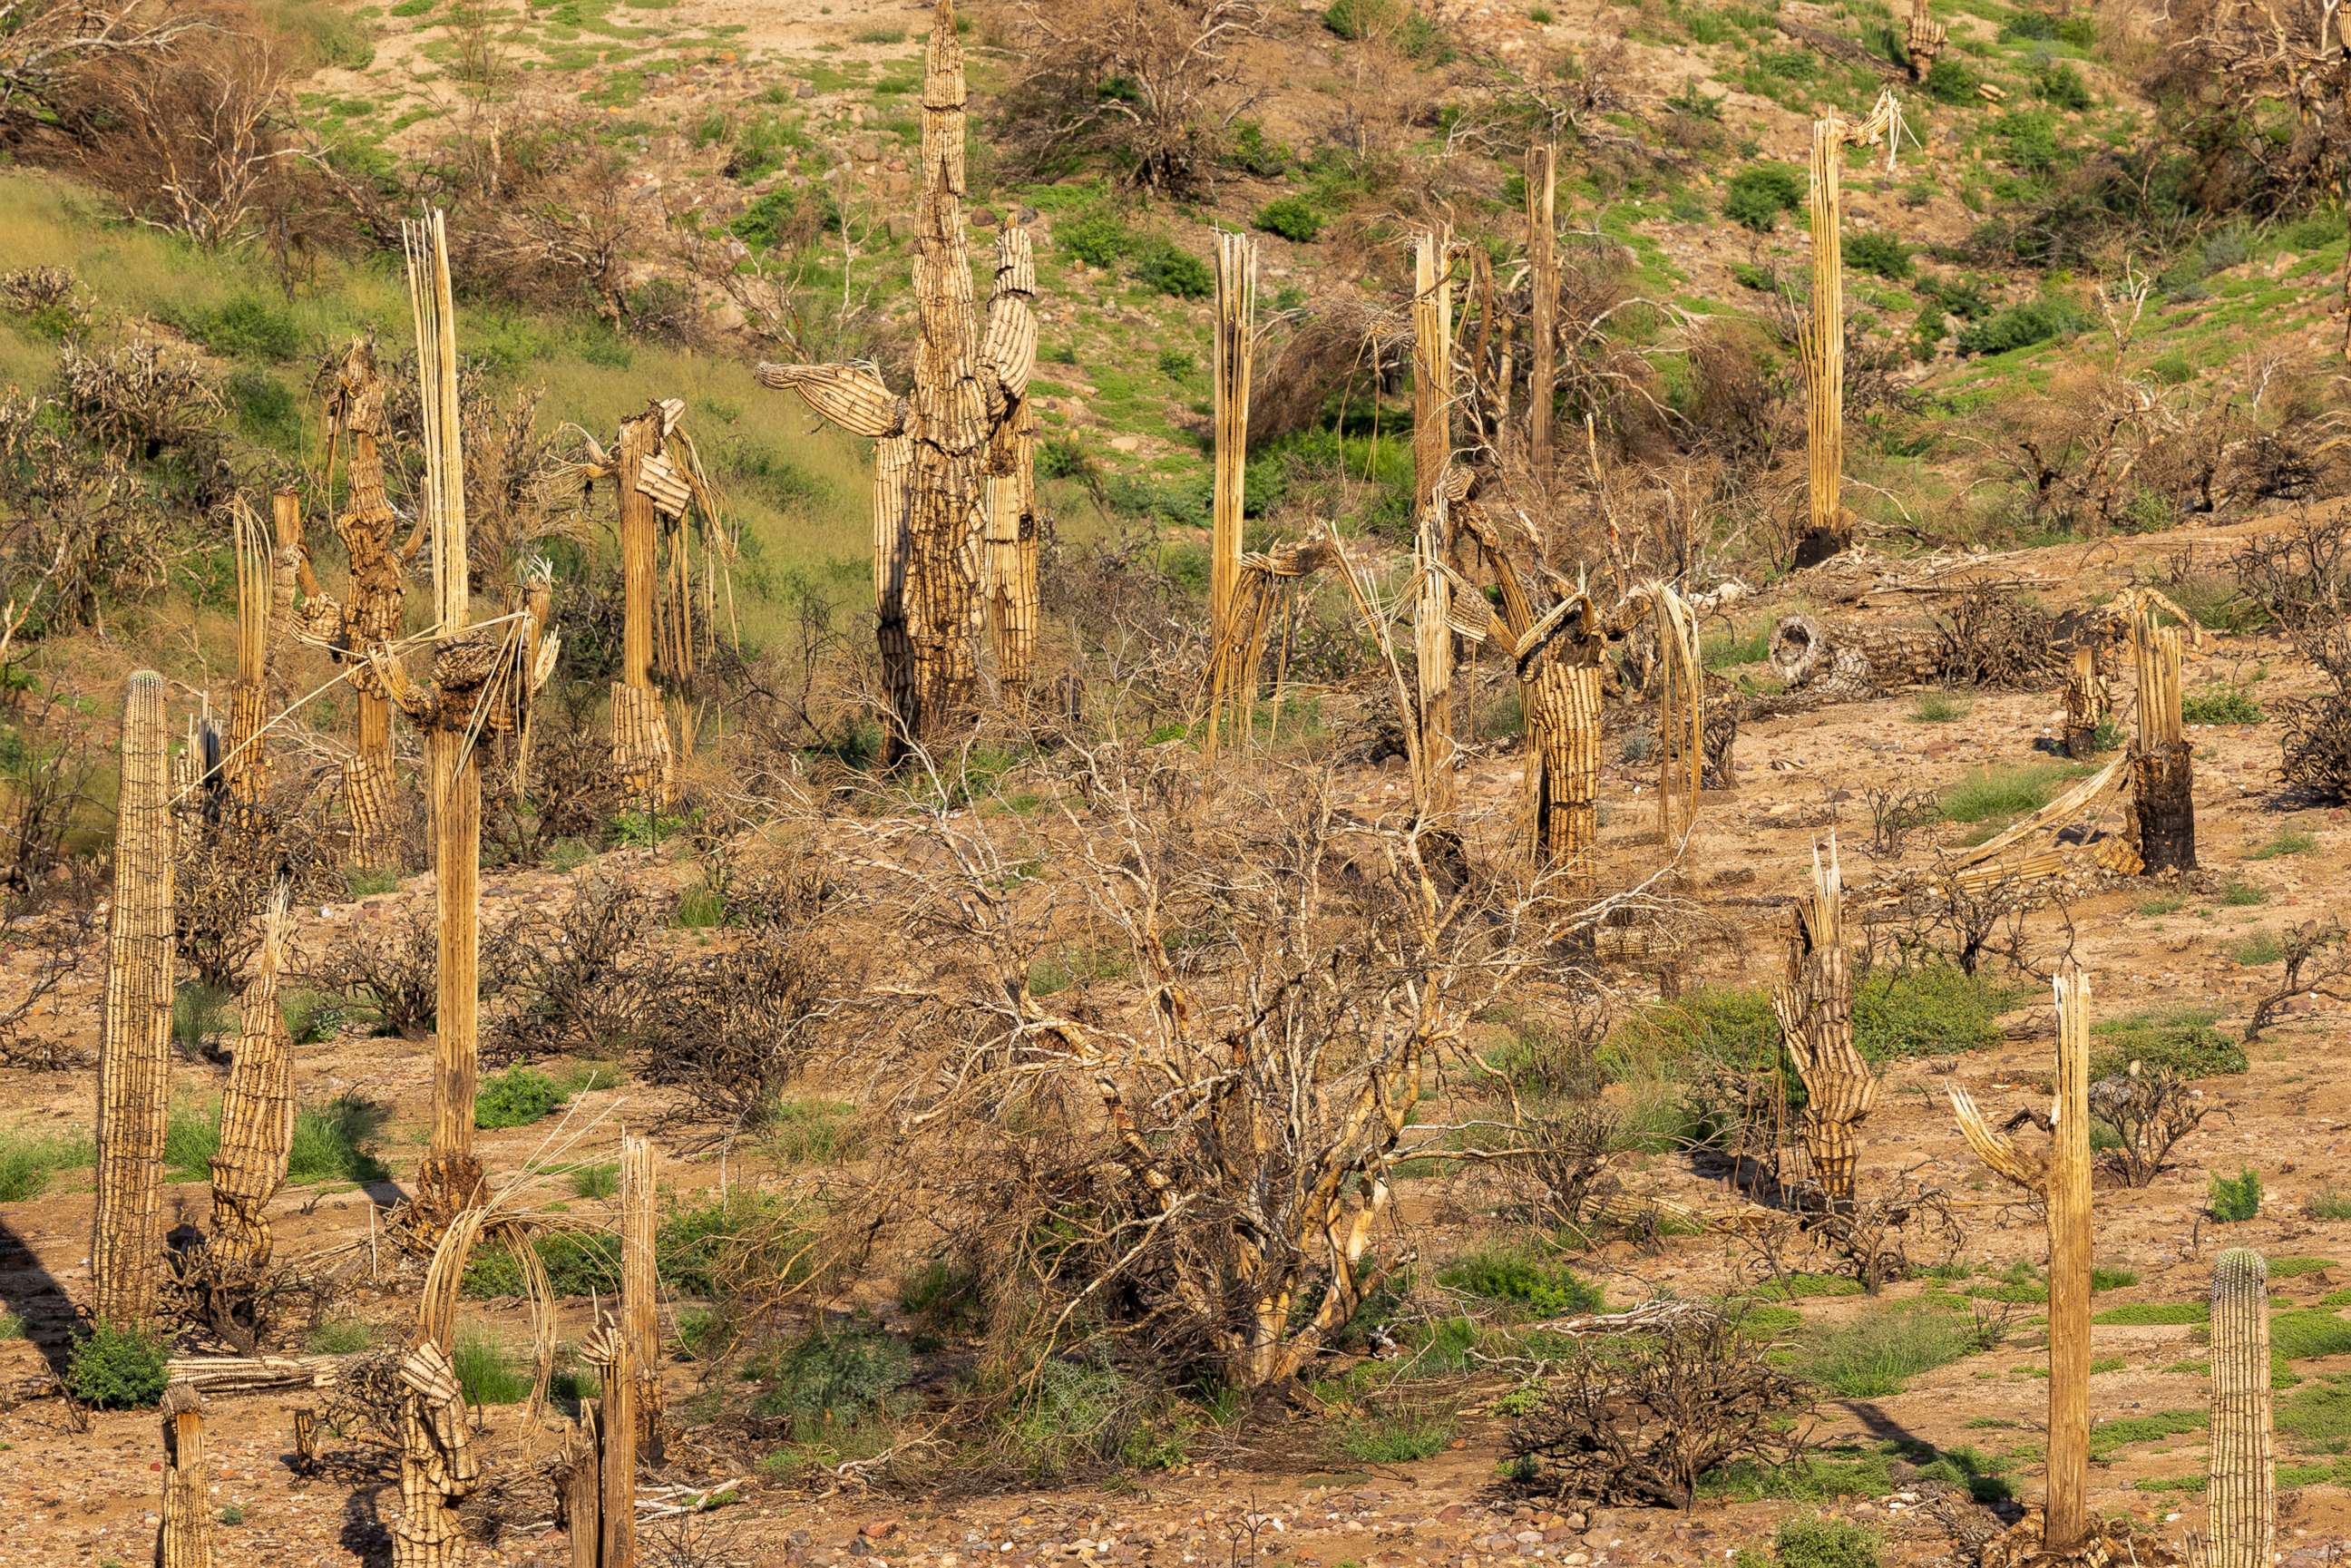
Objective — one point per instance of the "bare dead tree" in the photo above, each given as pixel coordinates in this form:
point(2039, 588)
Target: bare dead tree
point(2316, 962)
point(2151, 1110)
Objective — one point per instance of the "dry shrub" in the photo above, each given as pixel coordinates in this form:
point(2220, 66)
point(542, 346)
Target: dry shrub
point(2315, 744)
point(225, 868)
point(2150, 1109)
point(1638, 1418)
point(576, 978)
point(2316, 962)
point(1152, 87)
point(391, 969)
point(1995, 636)
point(1158, 1074)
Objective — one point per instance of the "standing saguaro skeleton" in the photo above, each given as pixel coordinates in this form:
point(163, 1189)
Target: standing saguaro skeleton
point(1234, 352)
point(257, 1121)
point(1814, 1006)
point(2240, 1503)
point(1821, 338)
point(936, 443)
point(134, 1062)
point(2163, 765)
point(1434, 763)
point(1542, 322)
point(2063, 1181)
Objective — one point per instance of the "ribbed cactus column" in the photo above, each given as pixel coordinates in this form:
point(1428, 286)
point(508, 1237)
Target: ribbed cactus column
point(1234, 360)
point(641, 742)
point(929, 527)
point(1924, 41)
point(1542, 321)
point(185, 1537)
point(247, 764)
point(1820, 340)
point(2240, 1504)
point(2085, 701)
point(1432, 452)
point(134, 1059)
point(1013, 603)
point(1814, 1005)
point(2063, 1182)
point(1558, 661)
point(2163, 765)
point(257, 1114)
point(641, 1283)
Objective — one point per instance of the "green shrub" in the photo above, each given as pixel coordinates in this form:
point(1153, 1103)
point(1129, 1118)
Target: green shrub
point(1253, 150)
point(1949, 81)
point(834, 1378)
point(597, 1179)
point(488, 1371)
point(2059, 83)
point(2238, 894)
point(202, 1017)
point(813, 1132)
point(1294, 218)
point(1177, 363)
point(2220, 704)
point(1932, 1010)
point(1878, 1354)
point(2023, 324)
point(1818, 1541)
point(1096, 237)
point(1760, 193)
point(118, 1369)
point(1163, 267)
point(945, 1296)
point(1396, 1439)
point(1993, 794)
point(517, 1098)
point(1522, 1278)
point(247, 327)
point(1874, 250)
point(2182, 1040)
point(329, 1142)
point(28, 1159)
point(2028, 139)
point(2235, 1199)
point(1940, 707)
point(191, 1139)
point(312, 1016)
point(2288, 842)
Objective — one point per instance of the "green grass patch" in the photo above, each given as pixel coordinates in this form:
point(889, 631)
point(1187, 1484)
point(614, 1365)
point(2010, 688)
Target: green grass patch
point(1940, 707)
point(2220, 704)
point(518, 1097)
point(2184, 1039)
point(1396, 1439)
point(1522, 1278)
point(28, 1159)
point(2155, 1314)
point(2109, 1437)
point(1880, 1353)
point(2292, 841)
point(813, 1132)
point(330, 1142)
point(488, 1371)
point(1996, 794)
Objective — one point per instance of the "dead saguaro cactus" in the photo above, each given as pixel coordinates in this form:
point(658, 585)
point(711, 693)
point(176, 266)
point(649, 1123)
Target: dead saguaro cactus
point(2240, 1504)
point(1820, 340)
point(1814, 1006)
point(134, 1062)
point(639, 1284)
point(1015, 602)
point(2063, 1182)
point(1542, 319)
point(1234, 353)
point(2163, 766)
point(256, 1123)
point(670, 608)
point(247, 762)
point(929, 468)
point(1923, 40)
point(369, 616)
point(600, 1498)
point(185, 1537)
point(1267, 585)
point(438, 1467)
point(1557, 663)
point(2086, 703)
point(1432, 451)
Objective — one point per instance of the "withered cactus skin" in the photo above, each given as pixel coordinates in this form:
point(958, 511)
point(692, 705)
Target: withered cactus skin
point(1013, 605)
point(439, 1468)
point(641, 752)
point(2163, 765)
point(1434, 754)
point(185, 1538)
point(932, 462)
point(1542, 321)
point(2067, 1529)
point(256, 1135)
point(639, 1285)
point(368, 528)
point(1233, 363)
point(1814, 1006)
point(1923, 40)
point(1821, 340)
point(135, 1053)
point(2240, 1503)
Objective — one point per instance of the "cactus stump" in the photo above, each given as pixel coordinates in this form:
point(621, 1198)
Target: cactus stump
point(2240, 1504)
point(185, 1537)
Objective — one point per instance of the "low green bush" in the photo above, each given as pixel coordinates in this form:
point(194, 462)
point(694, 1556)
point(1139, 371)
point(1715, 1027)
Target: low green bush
point(1522, 1278)
point(1760, 192)
point(2023, 324)
point(2235, 1199)
point(517, 1098)
point(2181, 1039)
point(118, 1369)
point(1874, 250)
point(833, 1379)
point(2220, 704)
point(1294, 218)
point(1819, 1541)
point(1164, 267)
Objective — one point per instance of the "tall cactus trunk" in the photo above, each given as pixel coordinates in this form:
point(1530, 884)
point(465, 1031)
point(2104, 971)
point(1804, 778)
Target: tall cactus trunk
point(1559, 691)
point(894, 473)
point(1013, 607)
point(288, 560)
point(1823, 344)
point(372, 618)
point(2240, 1504)
point(134, 1061)
point(641, 752)
point(451, 1177)
point(1924, 42)
point(1234, 355)
point(185, 1538)
point(2163, 766)
point(1814, 1005)
point(256, 1135)
point(1542, 278)
point(640, 1286)
point(1432, 451)
point(2070, 1245)
point(248, 760)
